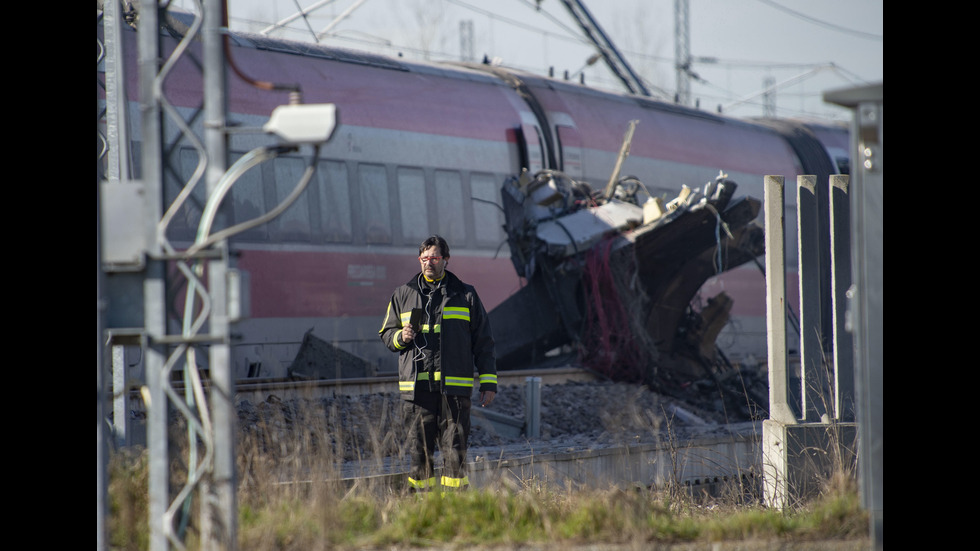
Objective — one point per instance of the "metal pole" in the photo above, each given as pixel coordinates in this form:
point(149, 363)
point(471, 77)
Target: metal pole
point(117, 170)
point(682, 51)
point(532, 407)
point(868, 304)
point(154, 287)
point(120, 395)
point(109, 22)
point(223, 520)
point(101, 452)
point(866, 294)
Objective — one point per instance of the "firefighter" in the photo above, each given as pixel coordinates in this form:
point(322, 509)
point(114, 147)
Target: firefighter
point(438, 353)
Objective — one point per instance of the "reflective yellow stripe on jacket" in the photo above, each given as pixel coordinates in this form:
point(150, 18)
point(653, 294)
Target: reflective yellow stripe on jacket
point(407, 317)
point(449, 381)
point(449, 313)
point(459, 381)
point(422, 376)
point(456, 313)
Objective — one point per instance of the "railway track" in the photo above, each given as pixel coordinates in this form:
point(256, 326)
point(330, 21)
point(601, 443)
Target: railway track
point(706, 458)
point(257, 390)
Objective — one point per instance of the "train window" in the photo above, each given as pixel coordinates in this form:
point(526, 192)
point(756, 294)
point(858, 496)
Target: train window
point(414, 207)
point(570, 148)
point(449, 202)
point(488, 219)
point(334, 201)
point(375, 211)
point(294, 223)
point(247, 202)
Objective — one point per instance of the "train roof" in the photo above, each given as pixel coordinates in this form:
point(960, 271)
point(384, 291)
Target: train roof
point(178, 22)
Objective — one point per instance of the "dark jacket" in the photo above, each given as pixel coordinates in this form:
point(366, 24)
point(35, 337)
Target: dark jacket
point(466, 342)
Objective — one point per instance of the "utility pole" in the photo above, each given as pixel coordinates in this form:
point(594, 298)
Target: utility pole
point(134, 247)
point(769, 97)
point(220, 511)
point(466, 40)
point(682, 51)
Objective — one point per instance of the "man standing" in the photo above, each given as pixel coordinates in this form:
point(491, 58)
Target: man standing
point(439, 348)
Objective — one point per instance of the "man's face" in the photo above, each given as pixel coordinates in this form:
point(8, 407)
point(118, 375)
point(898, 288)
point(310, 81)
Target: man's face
point(433, 263)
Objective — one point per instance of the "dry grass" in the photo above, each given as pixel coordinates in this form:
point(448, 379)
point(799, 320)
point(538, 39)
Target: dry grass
point(291, 497)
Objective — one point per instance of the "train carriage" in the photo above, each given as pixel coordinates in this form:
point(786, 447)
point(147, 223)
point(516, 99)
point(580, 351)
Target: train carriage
point(424, 148)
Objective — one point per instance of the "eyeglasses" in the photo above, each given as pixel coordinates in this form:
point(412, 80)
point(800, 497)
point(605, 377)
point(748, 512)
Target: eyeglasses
point(430, 258)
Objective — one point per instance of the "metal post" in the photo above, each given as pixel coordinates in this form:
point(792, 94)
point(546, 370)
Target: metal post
point(840, 264)
point(813, 374)
point(154, 287)
point(779, 408)
point(866, 294)
point(101, 451)
point(868, 303)
point(532, 407)
point(120, 395)
point(682, 51)
point(222, 521)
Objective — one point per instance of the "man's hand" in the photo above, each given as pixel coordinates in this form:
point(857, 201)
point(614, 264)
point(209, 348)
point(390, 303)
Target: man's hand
point(408, 333)
point(486, 397)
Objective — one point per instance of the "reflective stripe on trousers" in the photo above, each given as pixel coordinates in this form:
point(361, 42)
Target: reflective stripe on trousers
point(435, 417)
point(445, 482)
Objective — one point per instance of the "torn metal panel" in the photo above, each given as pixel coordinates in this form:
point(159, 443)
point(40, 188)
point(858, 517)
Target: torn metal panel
point(318, 359)
point(579, 231)
point(615, 276)
point(541, 316)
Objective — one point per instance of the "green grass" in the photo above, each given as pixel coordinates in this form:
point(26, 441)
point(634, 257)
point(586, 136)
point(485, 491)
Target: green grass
point(327, 516)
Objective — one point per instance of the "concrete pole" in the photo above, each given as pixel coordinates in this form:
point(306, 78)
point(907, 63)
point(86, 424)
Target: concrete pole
point(840, 265)
point(814, 377)
point(779, 408)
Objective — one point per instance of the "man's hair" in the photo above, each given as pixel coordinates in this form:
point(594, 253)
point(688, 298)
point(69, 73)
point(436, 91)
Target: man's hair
point(436, 241)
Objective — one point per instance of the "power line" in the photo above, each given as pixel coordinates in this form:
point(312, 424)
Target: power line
point(573, 36)
point(821, 23)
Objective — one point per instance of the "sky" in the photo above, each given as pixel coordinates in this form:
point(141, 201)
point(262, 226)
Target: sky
point(797, 48)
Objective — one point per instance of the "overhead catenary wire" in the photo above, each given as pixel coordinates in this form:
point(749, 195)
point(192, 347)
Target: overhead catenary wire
point(494, 15)
point(303, 12)
point(822, 23)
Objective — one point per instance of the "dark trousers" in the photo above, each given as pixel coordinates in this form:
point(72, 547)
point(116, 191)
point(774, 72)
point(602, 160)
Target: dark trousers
point(434, 418)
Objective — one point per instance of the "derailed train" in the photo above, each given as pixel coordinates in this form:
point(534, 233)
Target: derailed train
point(424, 148)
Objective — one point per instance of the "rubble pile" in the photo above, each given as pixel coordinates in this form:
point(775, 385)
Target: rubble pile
point(593, 413)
